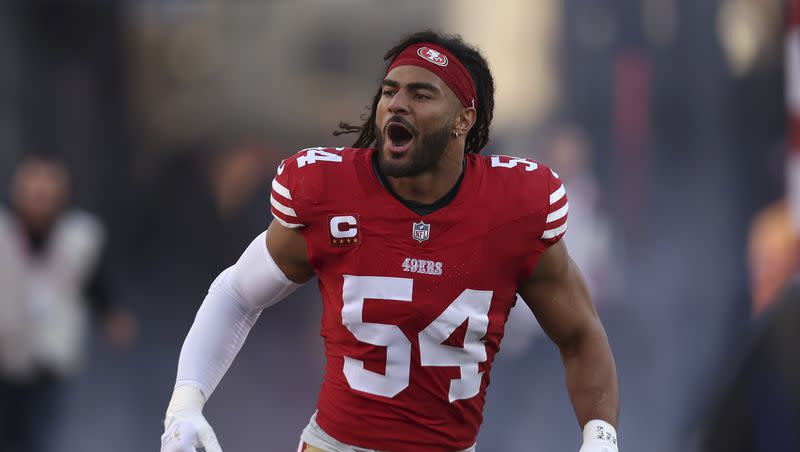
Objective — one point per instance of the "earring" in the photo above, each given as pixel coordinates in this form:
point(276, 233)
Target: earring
point(455, 133)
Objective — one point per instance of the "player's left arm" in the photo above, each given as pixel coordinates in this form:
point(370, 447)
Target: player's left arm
point(557, 294)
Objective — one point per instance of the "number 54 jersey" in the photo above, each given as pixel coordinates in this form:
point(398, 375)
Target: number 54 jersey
point(414, 305)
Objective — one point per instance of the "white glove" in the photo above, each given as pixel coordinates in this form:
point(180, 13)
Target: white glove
point(185, 428)
point(599, 436)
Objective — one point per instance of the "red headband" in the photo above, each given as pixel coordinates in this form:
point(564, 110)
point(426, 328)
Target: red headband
point(442, 63)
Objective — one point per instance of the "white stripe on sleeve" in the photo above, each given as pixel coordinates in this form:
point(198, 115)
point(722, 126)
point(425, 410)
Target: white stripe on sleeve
point(287, 224)
point(280, 189)
point(551, 233)
point(558, 214)
point(281, 208)
point(558, 194)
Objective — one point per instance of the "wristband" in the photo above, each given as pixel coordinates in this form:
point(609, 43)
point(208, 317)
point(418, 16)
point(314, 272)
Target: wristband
point(185, 398)
point(600, 433)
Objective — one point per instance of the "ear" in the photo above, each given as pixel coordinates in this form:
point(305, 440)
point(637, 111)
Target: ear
point(465, 120)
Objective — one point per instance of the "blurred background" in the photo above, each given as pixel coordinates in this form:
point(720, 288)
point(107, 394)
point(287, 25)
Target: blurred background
point(671, 121)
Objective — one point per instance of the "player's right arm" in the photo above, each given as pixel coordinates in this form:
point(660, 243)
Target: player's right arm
point(270, 268)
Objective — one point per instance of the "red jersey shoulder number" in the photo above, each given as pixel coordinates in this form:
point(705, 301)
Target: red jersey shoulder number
point(555, 202)
point(285, 195)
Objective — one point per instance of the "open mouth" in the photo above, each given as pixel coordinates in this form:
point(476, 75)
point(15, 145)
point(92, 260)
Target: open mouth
point(399, 137)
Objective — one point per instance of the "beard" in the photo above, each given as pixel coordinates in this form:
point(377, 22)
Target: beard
point(423, 156)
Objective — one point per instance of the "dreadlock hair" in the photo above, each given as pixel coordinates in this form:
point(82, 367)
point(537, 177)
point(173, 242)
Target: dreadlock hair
point(475, 63)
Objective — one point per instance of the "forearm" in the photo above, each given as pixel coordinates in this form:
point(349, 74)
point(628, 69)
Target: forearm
point(591, 377)
point(217, 334)
point(227, 314)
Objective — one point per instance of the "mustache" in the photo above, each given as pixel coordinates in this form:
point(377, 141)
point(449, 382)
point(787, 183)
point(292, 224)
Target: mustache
point(399, 120)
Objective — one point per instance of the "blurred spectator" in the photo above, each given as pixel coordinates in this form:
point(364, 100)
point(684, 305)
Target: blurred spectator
point(772, 253)
point(216, 190)
point(52, 271)
point(238, 174)
point(760, 411)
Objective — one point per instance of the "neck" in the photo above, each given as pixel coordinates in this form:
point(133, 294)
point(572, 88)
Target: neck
point(430, 186)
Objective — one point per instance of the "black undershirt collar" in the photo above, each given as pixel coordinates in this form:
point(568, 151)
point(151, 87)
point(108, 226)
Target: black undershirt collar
point(419, 208)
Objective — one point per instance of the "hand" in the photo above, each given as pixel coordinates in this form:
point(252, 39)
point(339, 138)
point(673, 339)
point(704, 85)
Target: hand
point(599, 436)
point(185, 428)
point(187, 434)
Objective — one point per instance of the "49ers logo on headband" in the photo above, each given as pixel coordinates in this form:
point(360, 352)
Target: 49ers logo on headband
point(445, 65)
point(433, 56)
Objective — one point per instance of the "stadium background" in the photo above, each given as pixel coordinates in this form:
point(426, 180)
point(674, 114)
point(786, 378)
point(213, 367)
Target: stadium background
point(667, 118)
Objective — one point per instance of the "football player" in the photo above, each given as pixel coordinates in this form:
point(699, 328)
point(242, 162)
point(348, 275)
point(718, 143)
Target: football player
point(420, 245)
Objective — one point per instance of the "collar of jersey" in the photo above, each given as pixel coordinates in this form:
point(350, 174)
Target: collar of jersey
point(419, 208)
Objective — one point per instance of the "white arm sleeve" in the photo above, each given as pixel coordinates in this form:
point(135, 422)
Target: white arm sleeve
point(231, 308)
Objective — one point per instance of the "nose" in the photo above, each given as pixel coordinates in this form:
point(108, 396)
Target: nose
point(399, 103)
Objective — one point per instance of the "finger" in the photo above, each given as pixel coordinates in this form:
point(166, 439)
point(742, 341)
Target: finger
point(175, 446)
point(208, 439)
point(181, 438)
point(212, 445)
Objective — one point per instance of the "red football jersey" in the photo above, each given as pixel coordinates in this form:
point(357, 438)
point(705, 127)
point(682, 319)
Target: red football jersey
point(414, 306)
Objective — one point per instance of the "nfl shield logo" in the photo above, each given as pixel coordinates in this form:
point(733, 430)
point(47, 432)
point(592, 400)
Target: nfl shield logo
point(421, 231)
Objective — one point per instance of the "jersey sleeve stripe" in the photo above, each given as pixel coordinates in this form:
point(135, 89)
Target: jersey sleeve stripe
point(281, 208)
point(286, 224)
point(552, 233)
point(558, 214)
point(557, 195)
point(280, 189)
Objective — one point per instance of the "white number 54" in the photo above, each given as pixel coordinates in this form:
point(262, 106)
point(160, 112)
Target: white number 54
point(512, 162)
point(318, 154)
point(472, 305)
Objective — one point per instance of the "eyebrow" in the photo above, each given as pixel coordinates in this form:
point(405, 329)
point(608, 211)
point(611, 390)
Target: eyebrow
point(412, 85)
